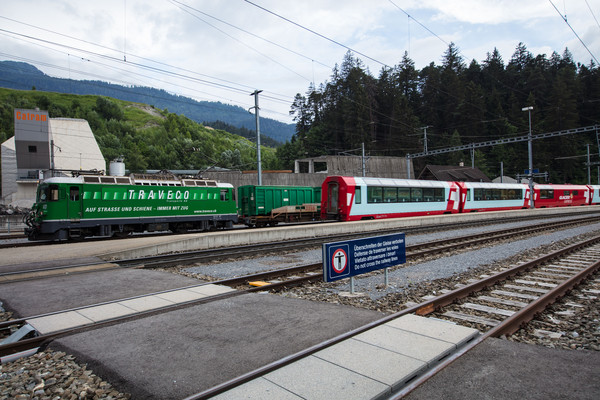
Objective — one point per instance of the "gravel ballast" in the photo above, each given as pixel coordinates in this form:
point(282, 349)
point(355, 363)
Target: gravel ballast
point(55, 375)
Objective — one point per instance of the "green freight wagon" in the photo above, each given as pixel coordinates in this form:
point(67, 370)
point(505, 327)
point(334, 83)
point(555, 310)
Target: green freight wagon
point(83, 206)
point(269, 205)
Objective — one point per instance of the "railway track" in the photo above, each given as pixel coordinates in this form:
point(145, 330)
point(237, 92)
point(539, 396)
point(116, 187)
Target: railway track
point(517, 295)
point(20, 240)
point(539, 281)
point(179, 259)
point(169, 260)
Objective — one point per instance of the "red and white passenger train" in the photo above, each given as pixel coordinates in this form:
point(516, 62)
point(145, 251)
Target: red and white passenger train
point(361, 198)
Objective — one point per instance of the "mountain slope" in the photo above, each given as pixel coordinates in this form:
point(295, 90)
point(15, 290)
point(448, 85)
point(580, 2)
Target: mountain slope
point(23, 76)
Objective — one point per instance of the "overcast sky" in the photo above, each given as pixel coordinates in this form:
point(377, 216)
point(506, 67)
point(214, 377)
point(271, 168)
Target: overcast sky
point(222, 50)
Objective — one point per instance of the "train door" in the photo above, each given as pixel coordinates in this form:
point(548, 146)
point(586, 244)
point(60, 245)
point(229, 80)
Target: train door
point(74, 203)
point(332, 197)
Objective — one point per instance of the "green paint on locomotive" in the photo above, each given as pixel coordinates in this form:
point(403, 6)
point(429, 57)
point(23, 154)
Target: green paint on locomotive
point(70, 203)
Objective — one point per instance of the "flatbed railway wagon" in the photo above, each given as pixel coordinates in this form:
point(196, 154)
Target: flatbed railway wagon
point(484, 196)
point(68, 208)
point(260, 206)
point(552, 195)
point(363, 198)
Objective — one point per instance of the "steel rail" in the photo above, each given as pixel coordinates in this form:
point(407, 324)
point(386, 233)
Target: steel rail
point(419, 309)
point(508, 326)
point(167, 260)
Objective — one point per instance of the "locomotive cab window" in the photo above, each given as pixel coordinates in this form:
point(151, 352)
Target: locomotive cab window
point(48, 193)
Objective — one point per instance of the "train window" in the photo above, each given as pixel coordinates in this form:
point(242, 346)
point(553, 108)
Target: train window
point(416, 194)
point(374, 194)
point(48, 193)
point(438, 194)
point(390, 195)
point(55, 193)
point(224, 194)
point(403, 195)
point(546, 194)
point(428, 194)
point(575, 192)
point(74, 193)
point(357, 195)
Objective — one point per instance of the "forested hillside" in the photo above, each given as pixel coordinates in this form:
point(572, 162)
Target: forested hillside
point(459, 104)
point(147, 137)
point(23, 76)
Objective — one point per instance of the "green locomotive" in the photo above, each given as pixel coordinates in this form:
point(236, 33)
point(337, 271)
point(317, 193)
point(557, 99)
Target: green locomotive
point(90, 205)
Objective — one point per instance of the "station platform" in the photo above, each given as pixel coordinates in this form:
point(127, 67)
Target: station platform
point(370, 365)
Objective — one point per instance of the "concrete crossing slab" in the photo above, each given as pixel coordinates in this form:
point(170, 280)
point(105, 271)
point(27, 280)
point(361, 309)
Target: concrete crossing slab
point(410, 344)
point(338, 383)
point(211, 289)
point(146, 303)
point(58, 322)
point(379, 364)
point(435, 328)
point(371, 365)
point(258, 389)
point(105, 312)
point(180, 296)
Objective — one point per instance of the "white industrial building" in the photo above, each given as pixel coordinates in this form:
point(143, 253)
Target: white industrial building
point(44, 147)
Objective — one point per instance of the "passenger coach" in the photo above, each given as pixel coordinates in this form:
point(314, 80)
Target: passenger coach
point(560, 195)
point(481, 196)
point(363, 198)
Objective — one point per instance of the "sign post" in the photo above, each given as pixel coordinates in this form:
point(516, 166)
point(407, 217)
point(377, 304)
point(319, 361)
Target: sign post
point(354, 257)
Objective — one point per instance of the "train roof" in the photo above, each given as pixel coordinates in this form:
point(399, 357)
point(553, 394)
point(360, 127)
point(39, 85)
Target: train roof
point(369, 181)
point(146, 180)
point(561, 186)
point(490, 185)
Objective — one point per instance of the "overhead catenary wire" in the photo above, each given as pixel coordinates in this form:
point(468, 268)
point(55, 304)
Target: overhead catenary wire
point(184, 74)
point(575, 33)
point(317, 33)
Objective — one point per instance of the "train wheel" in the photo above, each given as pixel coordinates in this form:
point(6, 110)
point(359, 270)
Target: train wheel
point(123, 234)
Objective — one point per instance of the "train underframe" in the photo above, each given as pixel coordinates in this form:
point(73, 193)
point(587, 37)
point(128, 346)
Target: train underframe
point(73, 230)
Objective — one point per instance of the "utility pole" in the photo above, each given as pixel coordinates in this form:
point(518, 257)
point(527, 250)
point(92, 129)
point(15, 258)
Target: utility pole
point(258, 163)
point(425, 137)
point(589, 165)
point(363, 160)
point(530, 149)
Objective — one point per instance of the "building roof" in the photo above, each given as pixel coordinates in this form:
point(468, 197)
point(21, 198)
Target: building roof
point(453, 173)
point(75, 145)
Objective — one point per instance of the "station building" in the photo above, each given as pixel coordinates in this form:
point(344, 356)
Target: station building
point(44, 147)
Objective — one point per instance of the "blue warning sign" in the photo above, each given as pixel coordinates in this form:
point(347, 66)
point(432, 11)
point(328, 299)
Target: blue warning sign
point(354, 257)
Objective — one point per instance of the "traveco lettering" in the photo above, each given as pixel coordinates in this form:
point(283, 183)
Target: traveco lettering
point(162, 194)
point(26, 116)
